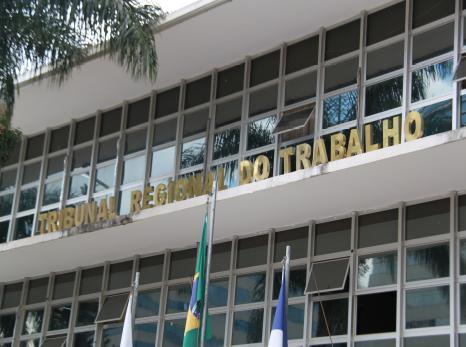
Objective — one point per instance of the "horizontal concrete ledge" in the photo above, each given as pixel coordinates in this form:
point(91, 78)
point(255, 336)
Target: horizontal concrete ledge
point(420, 169)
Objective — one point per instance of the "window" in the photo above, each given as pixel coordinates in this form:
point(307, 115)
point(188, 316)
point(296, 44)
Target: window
point(31, 173)
point(250, 288)
point(81, 158)
point(111, 336)
point(105, 178)
point(84, 131)
point(167, 102)
point(462, 213)
point(107, 150)
point(247, 327)
point(432, 81)
point(165, 132)
point(252, 251)
point(54, 341)
point(173, 333)
point(23, 227)
point(113, 308)
point(428, 219)
point(7, 179)
point(332, 237)
point(427, 307)
point(384, 60)
point(33, 321)
point(64, 286)
point(226, 143)
point(386, 23)
point(120, 275)
point(7, 325)
point(340, 109)
point(87, 312)
point(110, 122)
point(331, 313)
point(295, 321)
point(327, 276)
point(12, 295)
point(230, 81)
point(195, 123)
point(427, 262)
point(263, 100)
point(138, 113)
point(34, 146)
point(260, 133)
point(437, 117)
point(163, 162)
point(6, 202)
point(192, 153)
point(37, 290)
point(135, 141)
point(144, 334)
point(265, 68)
point(377, 270)
point(197, 92)
point(341, 74)
point(150, 269)
point(4, 231)
point(460, 69)
point(378, 228)
point(426, 11)
point(91, 281)
point(178, 298)
point(300, 88)
point(427, 341)
point(376, 313)
point(60, 317)
point(297, 283)
point(221, 253)
point(182, 263)
point(133, 169)
point(59, 139)
point(384, 96)
point(296, 119)
point(296, 239)
point(228, 112)
point(302, 54)
point(433, 43)
point(342, 40)
point(148, 303)
point(217, 325)
point(218, 293)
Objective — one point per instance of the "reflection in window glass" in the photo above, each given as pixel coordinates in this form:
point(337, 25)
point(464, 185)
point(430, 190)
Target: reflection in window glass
point(4, 231)
point(247, 327)
point(332, 237)
point(133, 170)
point(300, 88)
point(297, 283)
point(87, 312)
point(218, 293)
point(27, 198)
point(437, 117)
point(78, 185)
point(111, 337)
point(378, 270)
point(432, 81)
point(52, 193)
point(178, 299)
point(260, 132)
point(144, 334)
point(340, 108)
point(7, 179)
point(336, 316)
point(231, 174)
point(5, 204)
point(163, 162)
point(148, 303)
point(7, 325)
point(384, 60)
point(125, 200)
point(263, 100)
point(192, 153)
point(60, 317)
point(376, 313)
point(427, 307)
point(217, 326)
point(424, 263)
point(462, 252)
point(295, 321)
point(250, 288)
point(173, 333)
point(463, 303)
point(33, 321)
point(433, 43)
point(226, 143)
point(384, 96)
point(23, 227)
point(104, 178)
point(29, 343)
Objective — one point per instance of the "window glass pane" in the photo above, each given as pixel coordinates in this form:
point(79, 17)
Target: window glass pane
point(182, 263)
point(427, 307)
point(37, 290)
point(81, 158)
point(55, 167)
point(111, 337)
point(7, 325)
point(260, 132)
point(426, 11)
point(384, 60)
point(195, 123)
point(263, 100)
point(218, 293)
point(124, 201)
point(173, 333)
point(250, 288)
point(226, 143)
point(64, 286)
point(192, 153)
point(341, 40)
point(178, 299)
point(163, 162)
point(230, 80)
point(377, 270)
point(60, 317)
point(144, 334)
point(59, 138)
point(110, 122)
point(87, 312)
point(107, 150)
point(302, 54)
point(113, 308)
point(167, 102)
point(427, 341)
point(29, 343)
point(328, 275)
point(13, 156)
point(120, 275)
point(150, 269)
point(85, 339)
point(6, 202)
point(138, 113)
point(462, 213)
point(33, 321)
point(296, 239)
point(340, 109)
point(295, 321)
point(133, 170)
point(432, 81)
point(376, 343)
point(300, 88)
point(428, 219)
point(91, 281)
point(221, 254)
point(424, 263)
point(247, 327)
point(462, 257)
point(228, 112)
point(135, 141)
point(78, 185)
point(148, 303)
point(197, 92)
point(31, 173)
point(332, 237)
point(437, 117)
point(335, 314)
point(463, 304)
point(378, 228)
point(165, 132)
point(84, 130)
point(384, 96)
point(7, 179)
point(252, 251)
point(231, 174)
point(12, 295)
point(104, 178)
point(376, 313)
point(23, 227)
point(341, 74)
point(297, 283)
point(265, 68)
point(4, 231)
point(35, 146)
point(433, 43)
point(386, 23)
point(217, 326)
point(269, 154)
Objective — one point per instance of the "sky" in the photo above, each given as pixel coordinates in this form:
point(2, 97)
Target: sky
point(170, 5)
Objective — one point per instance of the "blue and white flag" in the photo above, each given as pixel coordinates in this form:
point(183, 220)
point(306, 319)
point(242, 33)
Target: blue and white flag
point(279, 334)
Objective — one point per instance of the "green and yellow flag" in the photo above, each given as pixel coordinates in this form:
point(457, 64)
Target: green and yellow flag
point(192, 331)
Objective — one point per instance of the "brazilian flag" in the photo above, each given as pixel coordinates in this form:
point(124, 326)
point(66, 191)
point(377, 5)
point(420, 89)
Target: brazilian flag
point(192, 331)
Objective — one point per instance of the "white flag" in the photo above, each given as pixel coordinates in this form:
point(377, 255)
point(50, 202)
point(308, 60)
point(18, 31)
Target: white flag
point(127, 335)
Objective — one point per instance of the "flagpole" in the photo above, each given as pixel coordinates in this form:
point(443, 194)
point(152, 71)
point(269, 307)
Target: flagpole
point(287, 275)
point(212, 203)
point(134, 299)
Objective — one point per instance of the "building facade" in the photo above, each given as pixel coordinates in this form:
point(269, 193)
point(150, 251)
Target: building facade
point(345, 142)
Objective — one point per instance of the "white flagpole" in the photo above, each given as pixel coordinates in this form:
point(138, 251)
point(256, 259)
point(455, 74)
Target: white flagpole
point(287, 276)
point(135, 298)
point(211, 221)
point(128, 326)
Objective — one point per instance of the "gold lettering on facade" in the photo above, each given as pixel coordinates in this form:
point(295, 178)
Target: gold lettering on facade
point(42, 222)
point(320, 153)
point(103, 210)
point(147, 197)
point(136, 198)
point(90, 212)
point(414, 126)
point(286, 154)
point(245, 172)
point(354, 144)
point(180, 189)
point(369, 138)
point(337, 146)
point(68, 217)
point(52, 219)
point(261, 168)
point(391, 134)
point(160, 196)
point(303, 156)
